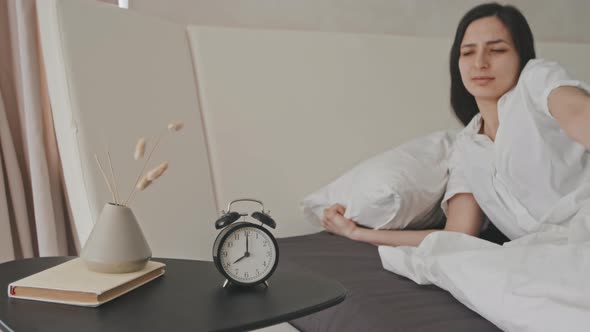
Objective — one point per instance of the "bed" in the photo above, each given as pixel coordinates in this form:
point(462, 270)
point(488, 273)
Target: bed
point(377, 300)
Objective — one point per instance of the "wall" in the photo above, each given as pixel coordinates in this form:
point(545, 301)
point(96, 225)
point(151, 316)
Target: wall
point(550, 20)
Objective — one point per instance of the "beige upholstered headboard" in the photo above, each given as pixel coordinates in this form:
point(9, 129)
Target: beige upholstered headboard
point(287, 111)
point(271, 114)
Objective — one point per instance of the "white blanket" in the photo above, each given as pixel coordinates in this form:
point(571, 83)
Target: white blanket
point(540, 282)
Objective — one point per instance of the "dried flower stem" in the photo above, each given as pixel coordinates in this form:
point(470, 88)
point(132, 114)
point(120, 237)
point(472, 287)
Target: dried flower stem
point(132, 197)
point(105, 178)
point(144, 166)
point(117, 198)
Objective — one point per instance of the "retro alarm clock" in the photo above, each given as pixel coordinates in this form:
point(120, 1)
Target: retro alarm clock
point(244, 252)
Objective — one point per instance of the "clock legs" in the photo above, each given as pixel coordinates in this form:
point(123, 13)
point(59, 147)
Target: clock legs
point(226, 282)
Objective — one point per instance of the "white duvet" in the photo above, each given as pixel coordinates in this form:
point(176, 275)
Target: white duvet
point(533, 182)
point(540, 282)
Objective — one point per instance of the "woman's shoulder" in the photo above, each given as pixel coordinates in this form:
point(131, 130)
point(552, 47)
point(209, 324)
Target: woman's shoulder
point(541, 72)
point(537, 79)
point(538, 63)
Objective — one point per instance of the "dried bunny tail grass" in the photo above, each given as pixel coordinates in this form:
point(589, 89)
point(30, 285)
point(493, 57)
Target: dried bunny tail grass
point(139, 149)
point(144, 183)
point(106, 179)
point(128, 200)
point(175, 126)
point(157, 172)
point(172, 127)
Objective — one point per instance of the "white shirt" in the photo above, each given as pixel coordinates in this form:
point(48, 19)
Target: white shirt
point(533, 176)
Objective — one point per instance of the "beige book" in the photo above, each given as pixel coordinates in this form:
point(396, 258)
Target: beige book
point(72, 283)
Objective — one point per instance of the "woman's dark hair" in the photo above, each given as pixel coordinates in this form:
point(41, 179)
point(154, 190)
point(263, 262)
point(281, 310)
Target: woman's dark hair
point(462, 101)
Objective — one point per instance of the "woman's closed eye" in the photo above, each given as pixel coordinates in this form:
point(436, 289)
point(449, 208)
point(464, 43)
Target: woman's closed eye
point(468, 53)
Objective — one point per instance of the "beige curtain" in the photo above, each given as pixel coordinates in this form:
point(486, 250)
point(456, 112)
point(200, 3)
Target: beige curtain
point(34, 218)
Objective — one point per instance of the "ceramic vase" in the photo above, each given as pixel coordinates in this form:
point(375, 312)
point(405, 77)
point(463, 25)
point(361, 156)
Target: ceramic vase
point(116, 243)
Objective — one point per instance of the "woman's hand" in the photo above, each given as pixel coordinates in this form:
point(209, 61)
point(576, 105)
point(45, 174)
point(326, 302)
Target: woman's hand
point(335, 222)
point(332, 210)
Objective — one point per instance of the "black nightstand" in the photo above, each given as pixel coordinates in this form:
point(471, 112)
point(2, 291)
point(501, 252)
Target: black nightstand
point(188, 297)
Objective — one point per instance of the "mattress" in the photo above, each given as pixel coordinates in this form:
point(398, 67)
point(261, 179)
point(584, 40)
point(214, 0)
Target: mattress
point(377, 300)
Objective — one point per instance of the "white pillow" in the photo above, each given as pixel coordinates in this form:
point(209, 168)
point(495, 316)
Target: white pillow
point(397, 189)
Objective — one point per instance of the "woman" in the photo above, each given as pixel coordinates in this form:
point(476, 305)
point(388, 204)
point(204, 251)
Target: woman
point(523, 158)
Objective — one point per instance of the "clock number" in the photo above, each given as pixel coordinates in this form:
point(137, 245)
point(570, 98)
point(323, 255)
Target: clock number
point(247, 233)
point(227, 264)
point(258, 272)
point(236, 273)
point(268, 254)
point(230, 244)
point(237, 236)
point(264, 263)
point(256, 235)
point(246, 275)
point(224, 254)
point(266, 242)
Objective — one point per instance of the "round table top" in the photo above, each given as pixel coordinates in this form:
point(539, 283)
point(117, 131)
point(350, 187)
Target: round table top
point(189, 296)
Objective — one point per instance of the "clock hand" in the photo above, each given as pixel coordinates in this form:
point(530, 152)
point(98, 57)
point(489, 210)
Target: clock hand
point(246, 244)
point(239, 259)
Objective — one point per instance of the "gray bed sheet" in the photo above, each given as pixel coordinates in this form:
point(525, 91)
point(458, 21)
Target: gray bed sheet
point(377, 300)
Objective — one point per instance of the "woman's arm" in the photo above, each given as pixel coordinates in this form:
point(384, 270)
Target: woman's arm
point(463, 215)
point(570, 106)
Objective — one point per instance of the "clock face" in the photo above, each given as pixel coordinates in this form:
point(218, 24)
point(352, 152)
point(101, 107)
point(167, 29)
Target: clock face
point(248, 254)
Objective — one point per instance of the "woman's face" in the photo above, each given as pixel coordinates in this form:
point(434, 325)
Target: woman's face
point(488, 61)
